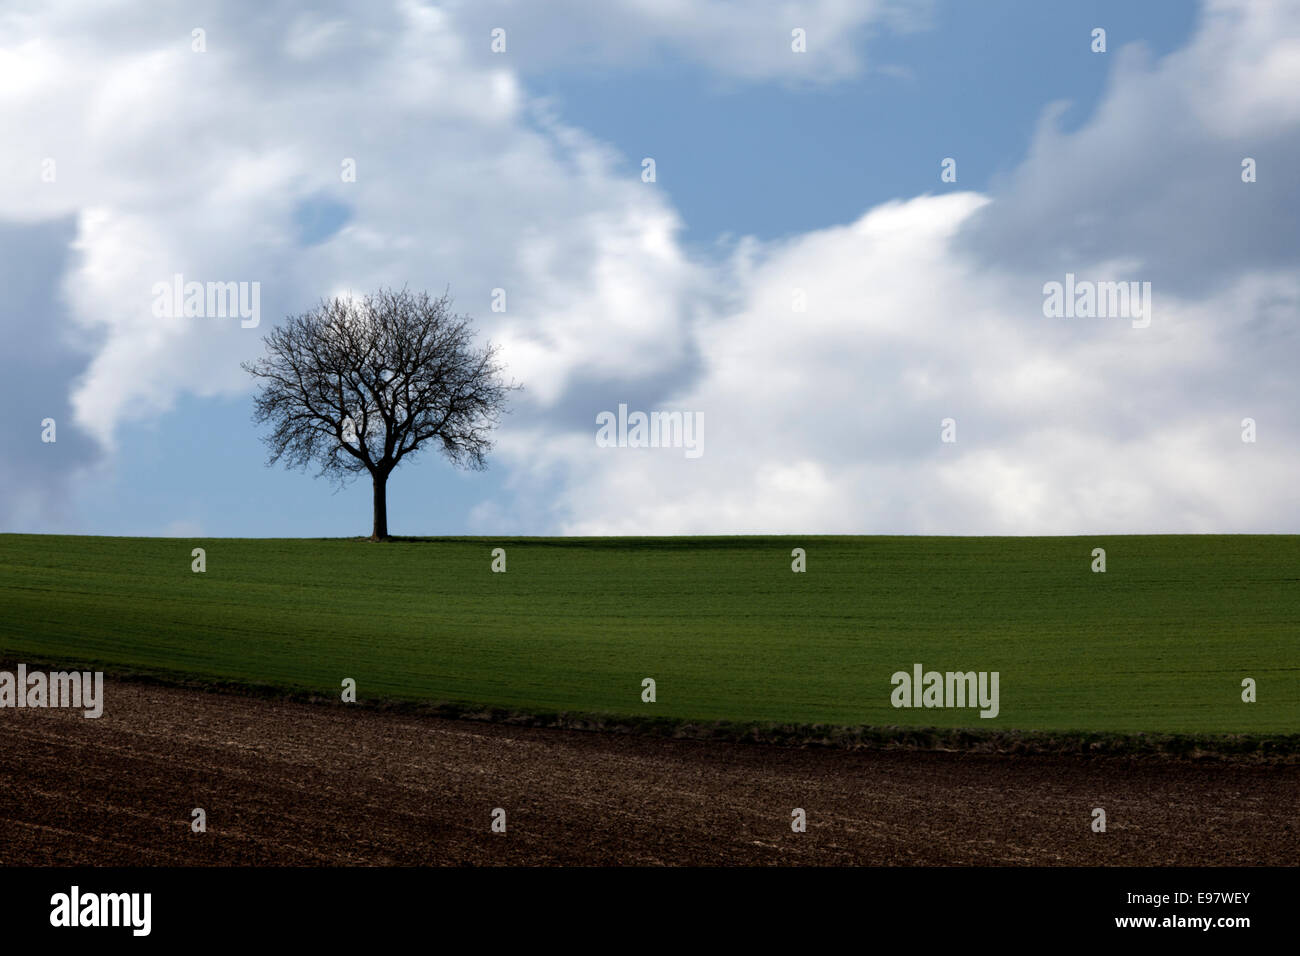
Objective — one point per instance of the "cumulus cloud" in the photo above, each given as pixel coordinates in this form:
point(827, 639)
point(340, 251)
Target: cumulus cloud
point(822, 419)
point(1154, 176)
point(829, 420)
point(172, 161)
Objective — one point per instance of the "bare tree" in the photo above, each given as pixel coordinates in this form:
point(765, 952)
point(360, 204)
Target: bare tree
point(359, 385)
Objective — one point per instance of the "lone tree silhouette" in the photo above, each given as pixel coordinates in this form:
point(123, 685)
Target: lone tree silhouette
point(362, 384)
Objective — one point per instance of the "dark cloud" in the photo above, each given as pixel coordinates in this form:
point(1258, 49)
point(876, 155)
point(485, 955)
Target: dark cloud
point(38, 365)
point(1154, 178)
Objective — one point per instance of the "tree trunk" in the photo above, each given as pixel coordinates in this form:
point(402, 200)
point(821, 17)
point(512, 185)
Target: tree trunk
point(381, 507)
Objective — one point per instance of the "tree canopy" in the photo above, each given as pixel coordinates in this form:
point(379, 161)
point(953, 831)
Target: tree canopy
point(361, 384)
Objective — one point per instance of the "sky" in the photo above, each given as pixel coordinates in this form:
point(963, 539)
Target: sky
point(864, 338)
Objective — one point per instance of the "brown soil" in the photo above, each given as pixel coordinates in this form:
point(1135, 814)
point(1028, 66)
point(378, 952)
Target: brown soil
point(296, 784)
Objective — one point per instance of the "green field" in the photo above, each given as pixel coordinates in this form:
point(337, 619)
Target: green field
point(1160, 642)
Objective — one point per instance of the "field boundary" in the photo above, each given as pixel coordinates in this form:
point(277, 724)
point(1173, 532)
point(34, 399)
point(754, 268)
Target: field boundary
point(1252, 748)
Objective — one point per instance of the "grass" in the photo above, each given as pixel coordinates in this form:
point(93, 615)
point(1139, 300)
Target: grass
point(1157, 644)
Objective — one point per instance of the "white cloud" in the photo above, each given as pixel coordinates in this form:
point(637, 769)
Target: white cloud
point(174, 161)
point(829, 420)
point(823, 420)
point(750, 41)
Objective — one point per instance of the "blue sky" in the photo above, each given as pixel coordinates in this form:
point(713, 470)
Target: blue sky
point(522, 170)
point(768, 159)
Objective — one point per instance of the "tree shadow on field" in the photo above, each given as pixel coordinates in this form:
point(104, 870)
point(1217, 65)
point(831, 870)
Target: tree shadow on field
point(648, 543)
